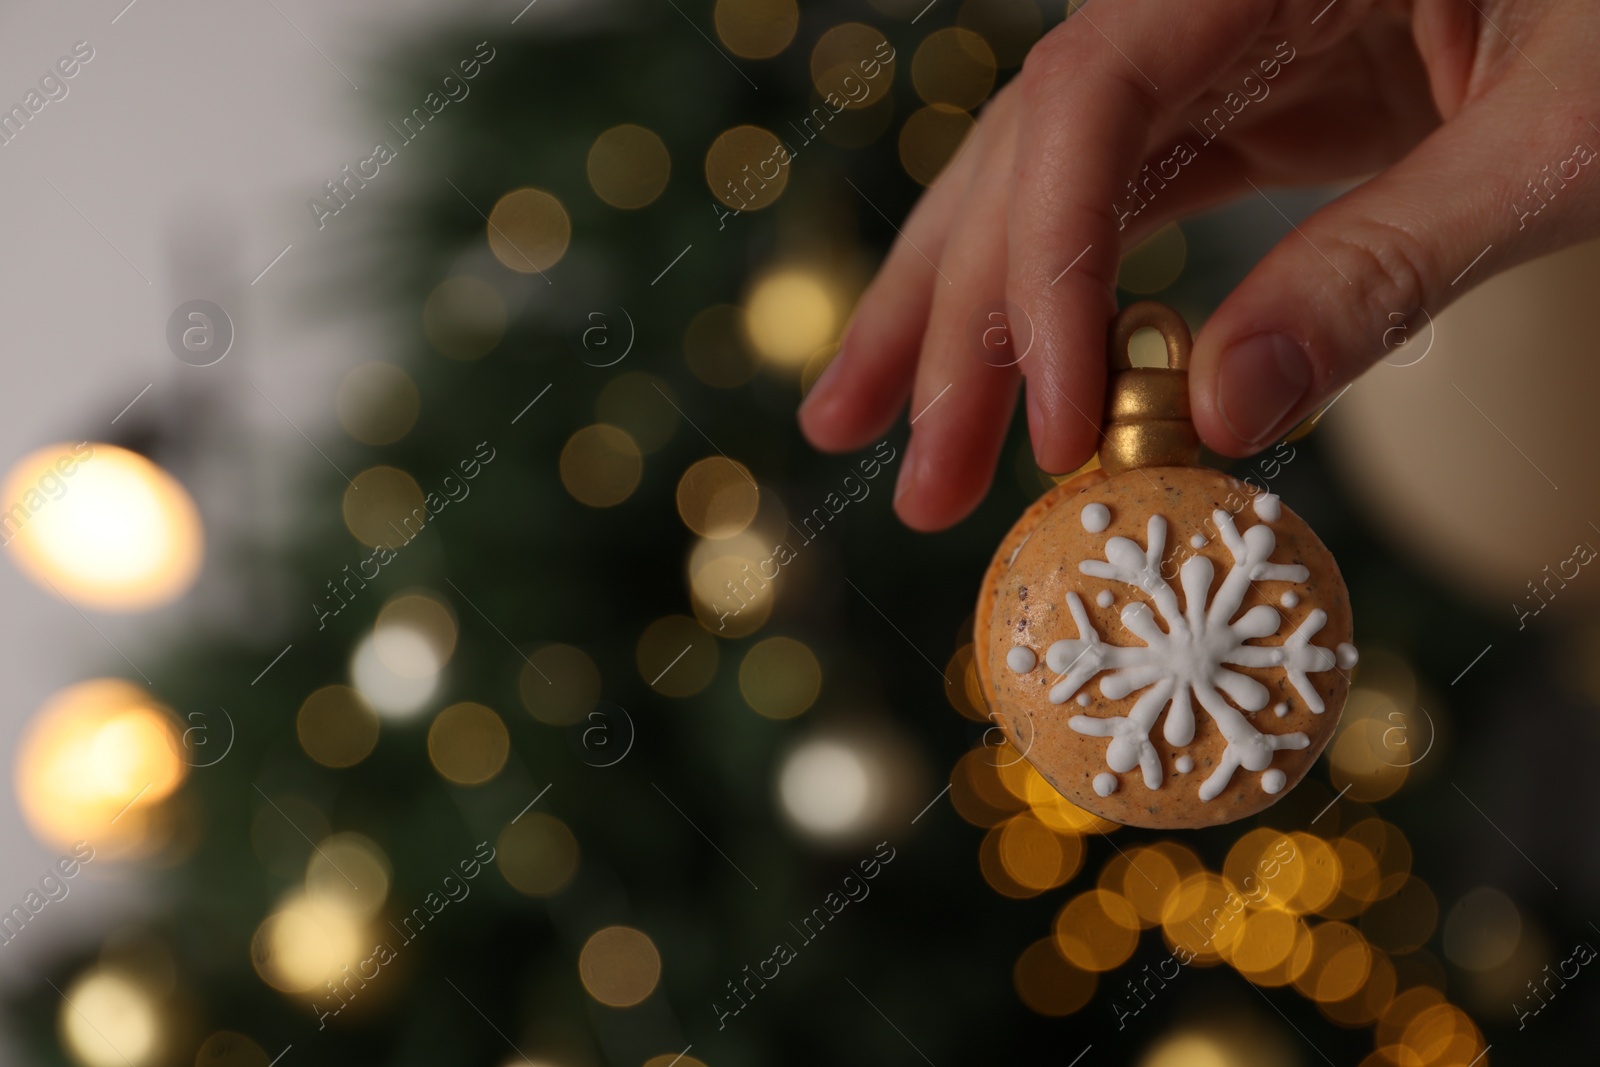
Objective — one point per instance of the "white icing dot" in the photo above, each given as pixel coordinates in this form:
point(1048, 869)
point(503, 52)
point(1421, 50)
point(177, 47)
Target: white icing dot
point(1347, 655)
point(1096, 517)
point(1280, 710)
point(1021, 659)
point(1184, 764)
point(1289, 600)
point(1267, 507)
point(1104, 598)
point(1198, 541)
point(1083, 700)
point(1105, 783)
point(1274, 780)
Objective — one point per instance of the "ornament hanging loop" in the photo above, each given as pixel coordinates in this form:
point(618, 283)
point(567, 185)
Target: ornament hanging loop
point(1148, 421)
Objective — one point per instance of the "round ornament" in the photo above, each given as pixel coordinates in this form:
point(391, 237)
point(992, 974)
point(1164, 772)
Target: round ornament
point(1167, 645)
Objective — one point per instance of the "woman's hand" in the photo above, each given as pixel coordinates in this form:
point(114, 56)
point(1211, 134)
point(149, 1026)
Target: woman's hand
point(1480, 120)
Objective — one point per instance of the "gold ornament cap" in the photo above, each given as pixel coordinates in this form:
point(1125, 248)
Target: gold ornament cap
point(1148, 422)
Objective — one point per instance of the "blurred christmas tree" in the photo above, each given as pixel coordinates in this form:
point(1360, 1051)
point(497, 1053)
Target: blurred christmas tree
point(613, 698)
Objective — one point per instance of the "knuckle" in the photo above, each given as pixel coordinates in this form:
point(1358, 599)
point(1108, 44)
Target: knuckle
point(1389, 266)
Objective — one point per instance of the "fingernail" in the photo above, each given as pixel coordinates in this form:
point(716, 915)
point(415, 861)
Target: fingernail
point(1261, 381)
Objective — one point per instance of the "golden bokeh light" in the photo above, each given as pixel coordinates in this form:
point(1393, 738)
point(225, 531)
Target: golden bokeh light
point(1154, 263)
point(468, 744)
point(601, 465)
point(227, 1048)
point(1363, 761)
point(1399, 1012)
point(780, 677)
point(619, 966)
point(953, 66)
point(1037, 857)
point(642, 405)
point(1482, 929)
point(1389, 848)
point(747, 168)
point(1048, 805)
point(377, 403)
point(715, 350)
point(537, 855)
point(1097, 930)
point(464, 318)
point(1341, 961)
point(1441, 1034)
point(628, 166)
point(1365, 1005)
point(336, 726)
point(348, 872)
point(964, 690)
point(559, 685)
point(977, 793)
point(1048, 984)
point(415, 634)
point(97, 751)
point(930, 138)
point(384, 508)
point(1009, 27)
point(788, 315)
point(730, 587)
point(1191, 1049)
point(1204, 910)
point(108, 1020)
point(1266, 942)
point(676, 657)
point(673, 1059)
point(847, 63)
point(994, 870)
point(756, 29)
point(102, 526)
point(717, 497)
point(529, 230)
point(305, 943)
point(1311, 879)
point(1150, 876)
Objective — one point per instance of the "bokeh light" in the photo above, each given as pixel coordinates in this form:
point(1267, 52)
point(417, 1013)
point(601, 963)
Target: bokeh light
point(377, 403)
point(828, 789)
point(1341, 961)
point(845, 62)
point(978, 794)
point(929, 140)
point(383, 507)
point(788, 315)
point(628, 166)
point(965, 691)
point(1482, 929)
point(747, 168)
point(464, 318)
point(1048, 984)
point(601, 465)
point(953, 66)
point(1403, 921)
point(529, 230)
point(93, 762)
point(1036, 857)
point(1191, 1049)
point(1009, 27)
point(348, 872)
point(415, 634)
point(390, 692)
point(641, 405)
point(336, 726)
point(305, 942)
point(537, 854)
point(227, 1048)
point(559, 685)
point(780, 677)
point(468, 744)
point(1097, 930)
point(717, 498)
point(715, 350)
point(756, 29)
point(619, 966)
point(733, 584)
point(102, 526)
point(676, 657)
point(108, 1020)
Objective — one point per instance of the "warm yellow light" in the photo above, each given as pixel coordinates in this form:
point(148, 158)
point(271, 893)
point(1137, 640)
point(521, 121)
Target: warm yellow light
point(350, 872)
point(628, 166)
point(732, 584)
point(717, 498)
point(642, 405)
point(756, 29)
point(468, 744)
point(107, 1020)
point(559, 685)
point(1097, 930)
point(747, 168)
point(780, 677)
point(929, 139)
point(676, 657)
point(104, 527)
point(953, 66)
point(537, 854)
point(619, 966)
point(1189, 1050)
point(847, 63)
point(1050, 985)
point(383, 507)
point(93, 760)
point(336, 726)
point(1035, 856)
point(788, 316)
point(407, 620)
point(601, 466)
point(529, 230)
point(464, 318)
point(377, 403)
point(305, 943)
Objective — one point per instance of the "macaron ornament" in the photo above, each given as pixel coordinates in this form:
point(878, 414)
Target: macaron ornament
point(1167, 645)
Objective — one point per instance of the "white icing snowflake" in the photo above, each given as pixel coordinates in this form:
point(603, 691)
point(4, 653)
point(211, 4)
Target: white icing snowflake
point(1191, 656)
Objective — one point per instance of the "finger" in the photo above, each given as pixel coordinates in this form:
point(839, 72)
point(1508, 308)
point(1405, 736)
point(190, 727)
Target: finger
point(1313, 314)
point(863, 389)
point(967, 374)
point(1090, 93)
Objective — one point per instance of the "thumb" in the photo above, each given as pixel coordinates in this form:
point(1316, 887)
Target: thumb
point(1497, 185)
